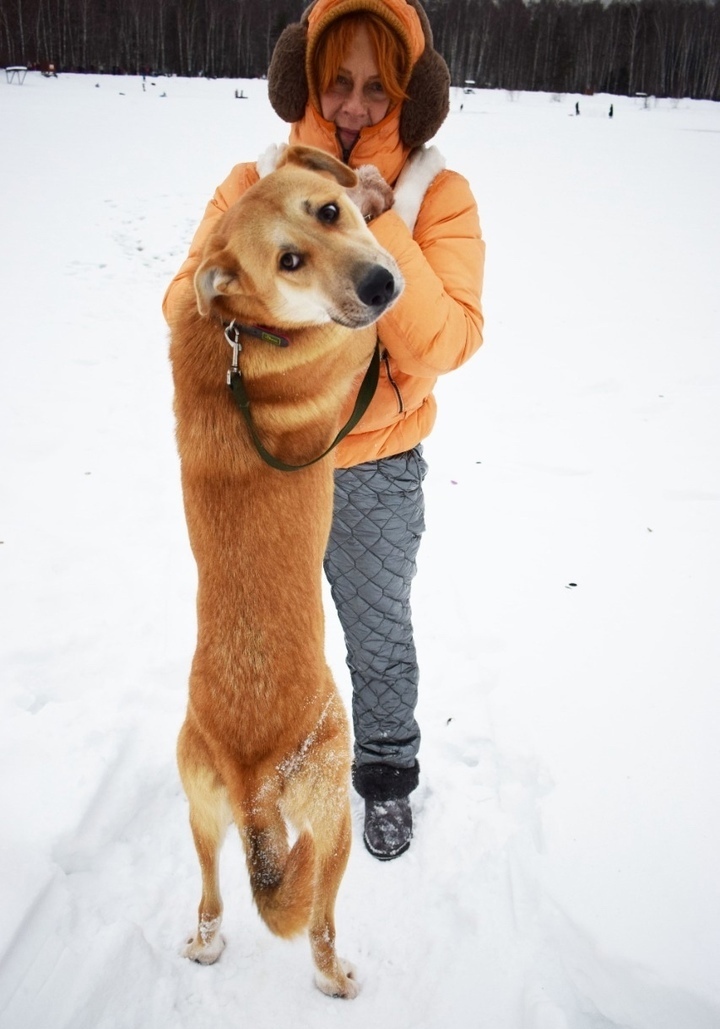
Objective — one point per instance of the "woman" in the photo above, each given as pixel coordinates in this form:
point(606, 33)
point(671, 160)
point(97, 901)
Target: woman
point(360, 80)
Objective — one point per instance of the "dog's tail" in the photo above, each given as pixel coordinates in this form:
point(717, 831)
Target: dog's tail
point(283, 890)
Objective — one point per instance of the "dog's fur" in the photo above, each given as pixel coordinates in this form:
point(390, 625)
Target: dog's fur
point(265, 742)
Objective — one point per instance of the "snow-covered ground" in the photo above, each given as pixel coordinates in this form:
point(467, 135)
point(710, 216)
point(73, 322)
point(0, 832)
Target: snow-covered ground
point(564, 870)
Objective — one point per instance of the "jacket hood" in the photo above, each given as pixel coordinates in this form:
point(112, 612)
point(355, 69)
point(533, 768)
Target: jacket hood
point(378, 144)
point(291, 89)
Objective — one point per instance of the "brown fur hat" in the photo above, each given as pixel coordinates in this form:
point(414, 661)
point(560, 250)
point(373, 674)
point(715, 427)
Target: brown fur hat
point(428, 88)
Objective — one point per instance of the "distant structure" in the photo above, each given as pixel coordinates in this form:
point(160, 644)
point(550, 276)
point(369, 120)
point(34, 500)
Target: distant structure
point(16, 73)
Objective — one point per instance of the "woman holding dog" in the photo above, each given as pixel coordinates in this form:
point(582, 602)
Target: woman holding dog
point(360, 79)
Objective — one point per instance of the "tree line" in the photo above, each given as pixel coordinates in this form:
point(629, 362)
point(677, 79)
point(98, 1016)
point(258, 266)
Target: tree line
point(659, 47)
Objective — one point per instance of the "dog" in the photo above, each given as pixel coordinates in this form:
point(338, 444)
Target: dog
point(293, 280)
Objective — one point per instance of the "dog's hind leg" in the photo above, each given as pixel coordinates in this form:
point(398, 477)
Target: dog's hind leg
point(209, 819)
point(333, 976)
point(318, 795)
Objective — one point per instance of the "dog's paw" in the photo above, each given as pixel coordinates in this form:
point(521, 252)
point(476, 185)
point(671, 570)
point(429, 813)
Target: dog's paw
point(372, 194)
point(423, 166)
point(204, 948)
point(345, 985)
point(268, 159)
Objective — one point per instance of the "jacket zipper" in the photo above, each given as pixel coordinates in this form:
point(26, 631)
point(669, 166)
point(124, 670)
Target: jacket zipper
point(398, 394)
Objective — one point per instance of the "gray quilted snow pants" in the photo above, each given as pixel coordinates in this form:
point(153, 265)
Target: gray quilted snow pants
point(378, 520)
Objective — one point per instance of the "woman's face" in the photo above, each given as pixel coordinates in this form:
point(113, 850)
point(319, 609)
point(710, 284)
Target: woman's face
point(357, 97)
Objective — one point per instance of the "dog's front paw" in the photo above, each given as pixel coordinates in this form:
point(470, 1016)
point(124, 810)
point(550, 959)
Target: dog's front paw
point(207, 945)
point(268, 159)
point(344, 985)
point(204, 954)
point(372, 193)
point(422, 167)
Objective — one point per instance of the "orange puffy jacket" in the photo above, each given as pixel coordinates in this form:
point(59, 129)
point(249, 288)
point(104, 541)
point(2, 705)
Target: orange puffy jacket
point(434, 327)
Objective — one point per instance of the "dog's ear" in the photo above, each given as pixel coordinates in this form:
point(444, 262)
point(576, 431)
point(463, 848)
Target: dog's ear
point(218, 274)
point(317, 160)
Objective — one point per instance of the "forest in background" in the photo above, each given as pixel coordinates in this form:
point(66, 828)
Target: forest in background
point(665, 48)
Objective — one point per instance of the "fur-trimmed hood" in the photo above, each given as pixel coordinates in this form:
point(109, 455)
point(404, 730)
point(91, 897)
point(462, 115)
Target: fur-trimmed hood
point(290, 85)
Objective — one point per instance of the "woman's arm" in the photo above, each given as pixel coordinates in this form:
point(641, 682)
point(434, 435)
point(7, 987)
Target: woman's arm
point(437, 323)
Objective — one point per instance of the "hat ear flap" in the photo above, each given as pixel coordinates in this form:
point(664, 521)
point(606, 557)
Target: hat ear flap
point(428, 90)
point(428, 100)
point(287, 83)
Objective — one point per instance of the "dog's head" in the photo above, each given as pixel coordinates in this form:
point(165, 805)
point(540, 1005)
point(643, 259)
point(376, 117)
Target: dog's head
point(294, 251)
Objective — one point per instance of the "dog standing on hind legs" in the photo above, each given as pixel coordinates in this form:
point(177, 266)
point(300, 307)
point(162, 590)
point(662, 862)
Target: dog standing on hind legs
point(265, 743)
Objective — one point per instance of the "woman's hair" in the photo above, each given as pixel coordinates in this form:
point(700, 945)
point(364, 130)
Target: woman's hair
point(391, 57)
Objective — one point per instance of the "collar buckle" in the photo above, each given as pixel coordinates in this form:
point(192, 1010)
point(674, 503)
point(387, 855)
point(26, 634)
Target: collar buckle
point(232, 335)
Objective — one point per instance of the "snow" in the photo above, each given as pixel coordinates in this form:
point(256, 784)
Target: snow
point(564, 870)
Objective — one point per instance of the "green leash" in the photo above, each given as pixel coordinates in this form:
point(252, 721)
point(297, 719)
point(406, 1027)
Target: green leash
point(366, 392)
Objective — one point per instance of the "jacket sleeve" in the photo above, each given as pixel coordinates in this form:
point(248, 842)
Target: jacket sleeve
point(437, 323)
point(238, 181)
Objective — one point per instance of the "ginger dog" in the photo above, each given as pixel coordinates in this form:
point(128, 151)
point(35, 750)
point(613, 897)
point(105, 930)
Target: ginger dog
point(265, 743)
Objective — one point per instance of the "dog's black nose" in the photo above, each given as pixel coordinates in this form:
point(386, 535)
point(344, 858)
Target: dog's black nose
point(377, 289)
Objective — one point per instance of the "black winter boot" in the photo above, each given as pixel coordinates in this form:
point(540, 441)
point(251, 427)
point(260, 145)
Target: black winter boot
point(388, 827)
point(388, 815)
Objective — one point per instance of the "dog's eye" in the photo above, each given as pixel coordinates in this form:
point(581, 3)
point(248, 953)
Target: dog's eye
point(329, 213)
point(289, 262)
